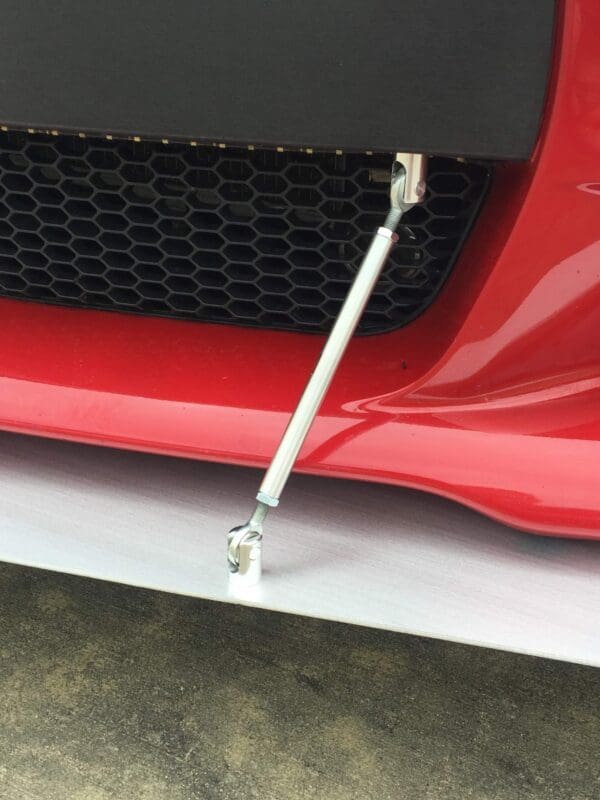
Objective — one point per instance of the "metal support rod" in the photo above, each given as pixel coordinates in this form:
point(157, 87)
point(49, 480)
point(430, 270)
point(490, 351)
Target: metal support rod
point(320, 380)
point(244, 543)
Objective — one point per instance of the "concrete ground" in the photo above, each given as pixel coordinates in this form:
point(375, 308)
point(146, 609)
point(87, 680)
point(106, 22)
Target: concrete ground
point(110, 692)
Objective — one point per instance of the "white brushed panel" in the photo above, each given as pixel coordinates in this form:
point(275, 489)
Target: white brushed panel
point(366, 554)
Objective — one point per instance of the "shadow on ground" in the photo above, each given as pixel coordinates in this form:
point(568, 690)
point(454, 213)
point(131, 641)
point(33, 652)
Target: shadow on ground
point(110, 692)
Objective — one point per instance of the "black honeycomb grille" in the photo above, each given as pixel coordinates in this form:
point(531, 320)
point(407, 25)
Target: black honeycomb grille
point(253, 237)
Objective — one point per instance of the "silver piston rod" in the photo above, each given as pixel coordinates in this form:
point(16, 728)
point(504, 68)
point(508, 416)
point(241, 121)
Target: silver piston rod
point(244, 543)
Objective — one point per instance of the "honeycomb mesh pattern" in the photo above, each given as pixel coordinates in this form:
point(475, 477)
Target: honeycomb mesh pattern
point(254, 237)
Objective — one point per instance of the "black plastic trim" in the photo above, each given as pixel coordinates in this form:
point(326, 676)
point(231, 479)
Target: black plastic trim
point(447, 77)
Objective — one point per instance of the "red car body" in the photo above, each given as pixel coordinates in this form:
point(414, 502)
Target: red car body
point(491, 397)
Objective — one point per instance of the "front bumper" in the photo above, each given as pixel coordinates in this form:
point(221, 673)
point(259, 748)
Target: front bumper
point(492, 397)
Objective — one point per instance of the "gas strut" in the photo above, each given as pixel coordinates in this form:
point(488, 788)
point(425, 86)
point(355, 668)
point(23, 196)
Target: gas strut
point(244, 543)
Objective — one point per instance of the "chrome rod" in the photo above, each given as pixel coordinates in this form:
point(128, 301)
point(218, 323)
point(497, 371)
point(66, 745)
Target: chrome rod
point(407, 188)
point(320, 380)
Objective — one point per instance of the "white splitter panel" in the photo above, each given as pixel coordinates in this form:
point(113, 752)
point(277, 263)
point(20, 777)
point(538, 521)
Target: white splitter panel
point(360, 553)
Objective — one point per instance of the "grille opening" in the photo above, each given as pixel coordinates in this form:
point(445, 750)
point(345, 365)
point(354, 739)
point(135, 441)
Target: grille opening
point(250, 237)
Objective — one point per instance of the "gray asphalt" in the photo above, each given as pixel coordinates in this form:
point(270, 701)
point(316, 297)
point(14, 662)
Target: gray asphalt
point(111, 692)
